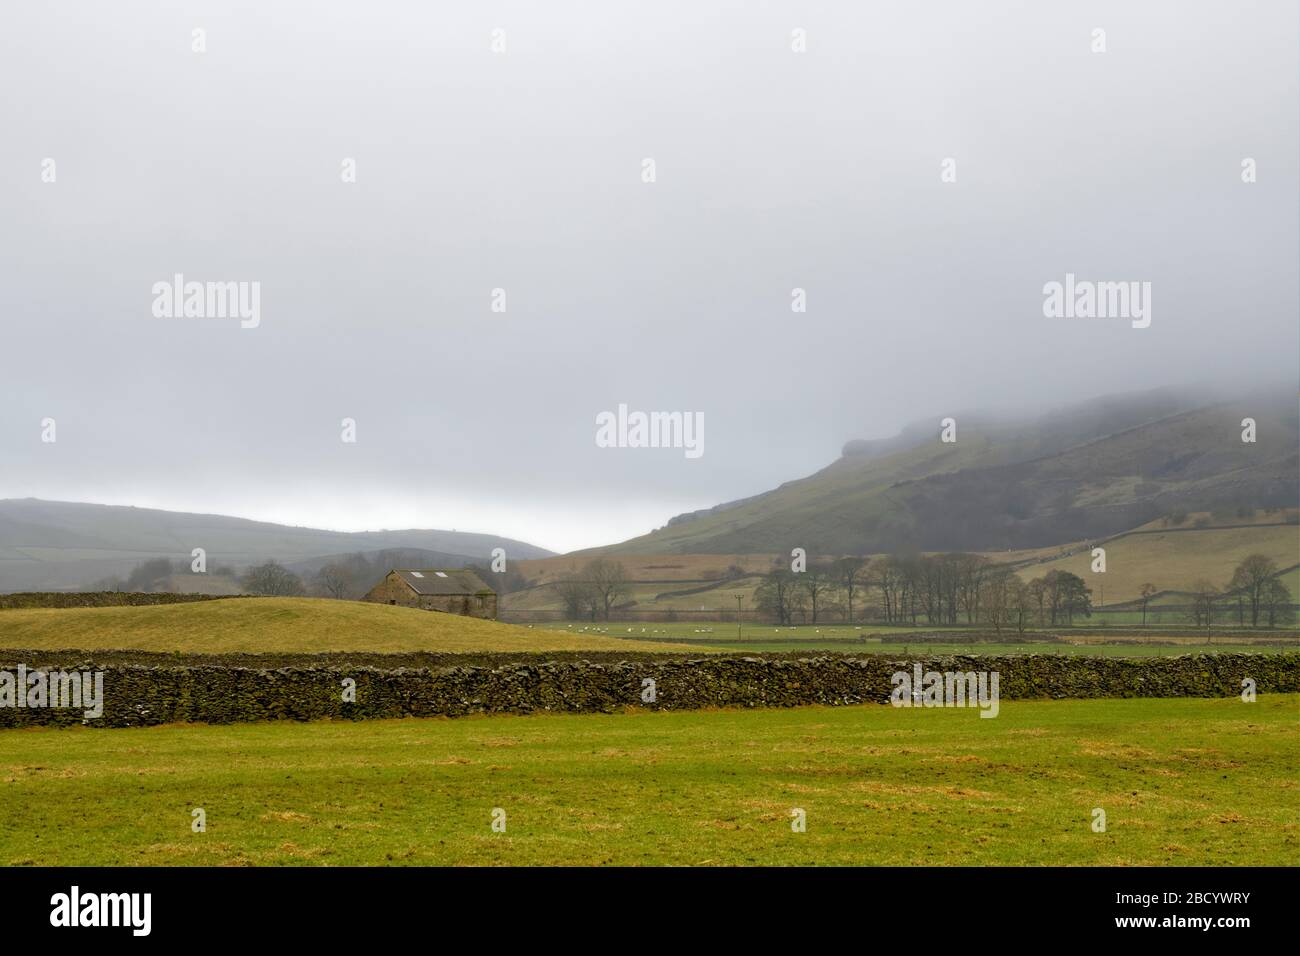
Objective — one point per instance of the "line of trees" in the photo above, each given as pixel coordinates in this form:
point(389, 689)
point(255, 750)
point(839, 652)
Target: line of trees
point(939, 589)
point(164, 575)
point(347, 577)
point(960, 588)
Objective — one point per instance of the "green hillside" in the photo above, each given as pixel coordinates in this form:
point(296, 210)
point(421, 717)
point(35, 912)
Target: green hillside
point(1083, 473)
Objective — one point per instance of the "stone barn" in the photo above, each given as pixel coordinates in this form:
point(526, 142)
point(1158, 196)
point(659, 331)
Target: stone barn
point(451, 591)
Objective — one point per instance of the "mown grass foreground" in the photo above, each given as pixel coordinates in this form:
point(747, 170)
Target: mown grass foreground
point(285, 625)
point(1182, 781)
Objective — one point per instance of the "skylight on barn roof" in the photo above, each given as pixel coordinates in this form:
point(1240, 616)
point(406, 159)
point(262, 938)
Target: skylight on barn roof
point(416, 574)
point(441, 574)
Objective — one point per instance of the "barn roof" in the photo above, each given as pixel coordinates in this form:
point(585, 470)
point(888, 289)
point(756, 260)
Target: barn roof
point(442, 581)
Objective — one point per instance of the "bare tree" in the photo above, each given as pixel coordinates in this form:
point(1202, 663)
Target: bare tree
point(780, 595)
point(973, 571)
point(851, 576)
point(1020, 604)
point(577, 597)
point(1205, 597)
point(930, 588)
point(1275, 602)
point(1076, 596)
point(911, 589)
point(271, 578)
point(1038, 598)
point(1251, 579)
point(888, 577)
point(1146, 591)
point(503, 582)
point(336, 580)
point(608, 580)
point(996, 598)
point(817, 582)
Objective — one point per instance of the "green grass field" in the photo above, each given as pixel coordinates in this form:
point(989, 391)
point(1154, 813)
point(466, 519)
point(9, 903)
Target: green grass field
point(1185, 781)
point(284, 625)
point(703, 632)
point(1174, 559)
point(839, 638)
point(1073, 650)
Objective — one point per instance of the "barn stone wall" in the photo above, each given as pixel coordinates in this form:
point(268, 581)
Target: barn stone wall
point(472, 605)
point(393, 590)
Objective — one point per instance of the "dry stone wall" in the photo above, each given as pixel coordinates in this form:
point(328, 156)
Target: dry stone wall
point(182, 689)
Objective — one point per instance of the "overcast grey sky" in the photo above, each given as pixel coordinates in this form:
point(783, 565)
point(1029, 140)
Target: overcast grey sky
point(522, 170)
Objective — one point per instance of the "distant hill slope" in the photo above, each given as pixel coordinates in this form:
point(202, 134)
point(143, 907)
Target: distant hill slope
point(1082, 472)
point(286, 625)
point(55, 545)
point(1174, 558)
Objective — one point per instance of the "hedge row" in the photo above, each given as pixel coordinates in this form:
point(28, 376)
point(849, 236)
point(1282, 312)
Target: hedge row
point(136, 695)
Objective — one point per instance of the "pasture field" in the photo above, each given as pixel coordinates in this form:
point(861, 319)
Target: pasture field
point(666, 568)
point(284, 625)
point(725, 631)
point(1182, 782)
point(1072, 650)
point(756, 638)
point(1174, 559)
point(643, 596)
